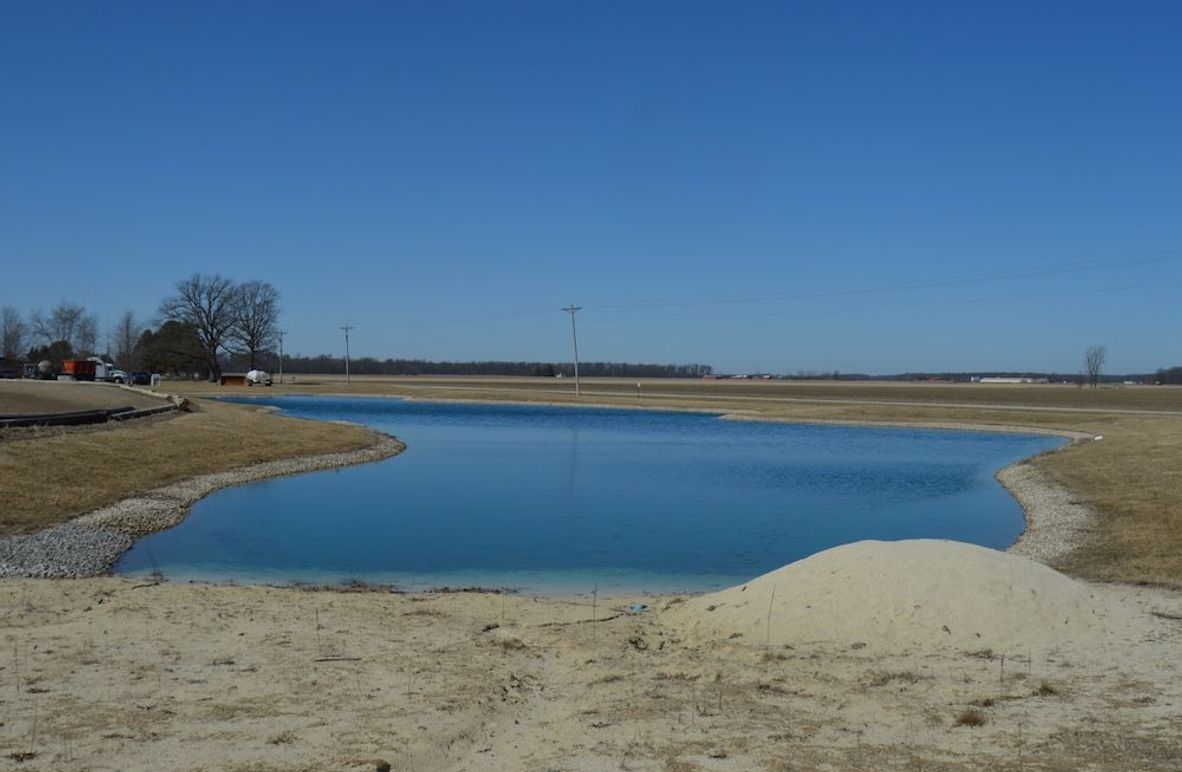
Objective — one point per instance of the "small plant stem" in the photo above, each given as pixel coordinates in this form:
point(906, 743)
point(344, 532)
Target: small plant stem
point(769, 617)
point(594, 606)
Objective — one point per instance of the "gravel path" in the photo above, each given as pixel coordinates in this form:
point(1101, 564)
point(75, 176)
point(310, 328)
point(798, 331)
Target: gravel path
point(91, 544)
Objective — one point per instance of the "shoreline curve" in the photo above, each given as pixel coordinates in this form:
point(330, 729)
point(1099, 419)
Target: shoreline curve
point(92, 543)
point(1056, 522)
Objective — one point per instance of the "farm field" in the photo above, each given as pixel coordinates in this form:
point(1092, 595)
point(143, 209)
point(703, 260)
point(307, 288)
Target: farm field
point(1119, 398)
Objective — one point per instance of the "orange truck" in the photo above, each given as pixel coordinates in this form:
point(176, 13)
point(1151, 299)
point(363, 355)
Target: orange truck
point(79, 369)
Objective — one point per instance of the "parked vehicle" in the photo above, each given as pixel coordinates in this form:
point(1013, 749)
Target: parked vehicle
point(79, 369)
point(258, 378)
point(103, 371)
point(41, 371)
point(139, 378)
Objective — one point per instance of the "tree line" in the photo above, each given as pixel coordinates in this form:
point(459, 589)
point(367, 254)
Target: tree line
point(66, 331)
point(1167, 375)
point(371, 366)
point(207, 319)
point(211, 323)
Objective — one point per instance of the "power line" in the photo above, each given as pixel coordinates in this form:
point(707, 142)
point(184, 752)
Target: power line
point(507, 315)
point(848, 310)
point(1049, 269)
point(1023, 273)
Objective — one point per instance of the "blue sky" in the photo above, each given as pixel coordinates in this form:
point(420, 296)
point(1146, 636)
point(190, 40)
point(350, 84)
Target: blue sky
point(870, 187)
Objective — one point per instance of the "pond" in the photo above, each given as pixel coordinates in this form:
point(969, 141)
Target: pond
point(563, 500)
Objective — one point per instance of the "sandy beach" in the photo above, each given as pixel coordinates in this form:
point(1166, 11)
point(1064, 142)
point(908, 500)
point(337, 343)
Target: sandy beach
point(115, 674)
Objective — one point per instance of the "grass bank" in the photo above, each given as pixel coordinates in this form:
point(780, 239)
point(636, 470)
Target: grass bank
point(52, 475)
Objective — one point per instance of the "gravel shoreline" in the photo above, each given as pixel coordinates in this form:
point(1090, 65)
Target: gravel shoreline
point(91, 544)
point(1057, 522)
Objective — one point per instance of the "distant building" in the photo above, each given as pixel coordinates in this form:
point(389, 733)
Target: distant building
point(990, 379)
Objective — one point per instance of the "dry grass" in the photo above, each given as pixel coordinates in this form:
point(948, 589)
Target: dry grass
point(1133, 477)
point(723, 391)
point(52, 475)
point(60, 397)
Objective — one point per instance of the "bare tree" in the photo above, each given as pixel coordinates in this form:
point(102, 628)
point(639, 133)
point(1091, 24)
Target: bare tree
point(13, 333)
point(256, 314)
point(127, 334)
point(1094, 359)
point(206, 303)
point(86, 338)
point(62, 323)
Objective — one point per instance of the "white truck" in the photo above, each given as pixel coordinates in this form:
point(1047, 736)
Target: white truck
point(105, 371)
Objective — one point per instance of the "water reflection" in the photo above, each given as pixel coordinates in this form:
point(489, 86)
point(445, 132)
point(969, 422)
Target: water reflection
point(574, 463)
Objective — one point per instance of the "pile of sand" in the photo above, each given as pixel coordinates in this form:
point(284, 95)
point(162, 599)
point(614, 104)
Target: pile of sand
point(902, 596)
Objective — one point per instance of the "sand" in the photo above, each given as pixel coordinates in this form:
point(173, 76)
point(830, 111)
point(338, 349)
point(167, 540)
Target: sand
point(113, 674)
point(919, 594)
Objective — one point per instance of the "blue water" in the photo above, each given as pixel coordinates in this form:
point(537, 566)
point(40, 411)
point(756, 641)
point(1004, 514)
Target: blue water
point(556, 499)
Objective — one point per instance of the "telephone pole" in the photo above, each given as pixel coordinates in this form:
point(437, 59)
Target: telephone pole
point(281, 333)
point(571, 309)
point(346, 328)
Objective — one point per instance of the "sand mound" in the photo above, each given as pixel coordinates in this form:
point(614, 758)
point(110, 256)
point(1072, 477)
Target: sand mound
point(900, 596)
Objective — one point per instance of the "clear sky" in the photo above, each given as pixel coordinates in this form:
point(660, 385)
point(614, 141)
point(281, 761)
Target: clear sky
point(861, 186)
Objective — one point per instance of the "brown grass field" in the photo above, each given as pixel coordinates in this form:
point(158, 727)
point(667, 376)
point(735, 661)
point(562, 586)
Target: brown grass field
point(1133, 477)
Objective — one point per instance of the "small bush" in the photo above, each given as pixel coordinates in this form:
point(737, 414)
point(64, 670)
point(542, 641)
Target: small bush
point(882, 678)
point(1045, 689)
point(610, 678)
point(970, 717)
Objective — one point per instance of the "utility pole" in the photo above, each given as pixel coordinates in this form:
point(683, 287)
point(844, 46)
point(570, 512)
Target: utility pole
point(346, 328)
point(281, 334)
point(571, 309)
